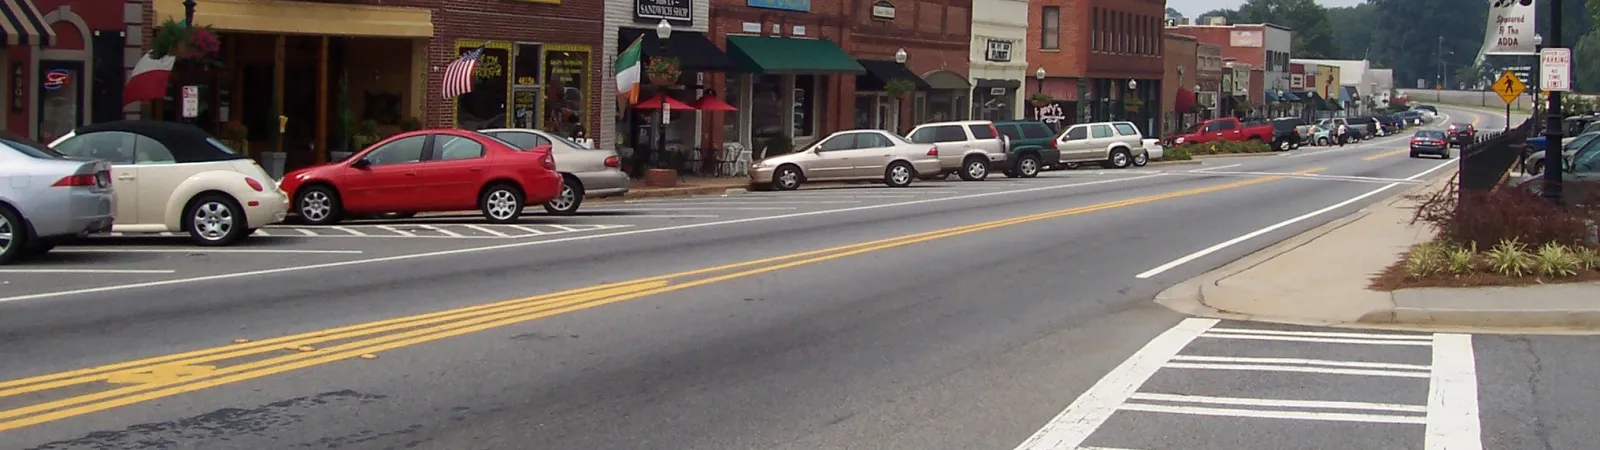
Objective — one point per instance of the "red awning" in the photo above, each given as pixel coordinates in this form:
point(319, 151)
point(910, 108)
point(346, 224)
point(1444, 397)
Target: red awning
point(655, 102)
point(1185, 101)
point(709, 103)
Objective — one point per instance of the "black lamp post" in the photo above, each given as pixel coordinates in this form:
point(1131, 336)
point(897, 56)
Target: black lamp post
point(188, 13)
point(1552, 131)
point(1534, 74)
point(663, 31)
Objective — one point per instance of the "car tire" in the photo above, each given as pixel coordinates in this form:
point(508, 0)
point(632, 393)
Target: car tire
point(1009, 173)
point(215, 220)
point(325, 207)
point(567, 202)
point(1141, 159)
point(502, 203)
point(1284, 146)
point(1071, 166)
point(786, 178)
point(1413, 154)
point(1028, 166)
point(1322, 142)
point(13, 235)
point(1120, 159)
point(1534, 167)
point(974, 168)
point(899, 174)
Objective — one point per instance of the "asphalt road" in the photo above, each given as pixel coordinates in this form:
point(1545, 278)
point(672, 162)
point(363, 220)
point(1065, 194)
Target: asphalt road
point(946, 315)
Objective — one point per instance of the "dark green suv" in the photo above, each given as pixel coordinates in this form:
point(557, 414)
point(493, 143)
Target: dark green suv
point(1033, 147)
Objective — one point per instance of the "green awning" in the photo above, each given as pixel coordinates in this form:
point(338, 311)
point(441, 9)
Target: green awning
point(764, 55)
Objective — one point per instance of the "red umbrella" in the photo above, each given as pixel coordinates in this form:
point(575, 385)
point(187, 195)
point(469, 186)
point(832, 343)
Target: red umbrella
point(655, 102)
point(709, 103)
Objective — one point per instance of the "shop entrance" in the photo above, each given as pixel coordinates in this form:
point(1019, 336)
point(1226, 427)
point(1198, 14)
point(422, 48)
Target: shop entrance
point(61, 95)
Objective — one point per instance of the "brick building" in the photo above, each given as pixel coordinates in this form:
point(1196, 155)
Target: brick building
point(1209, 78)
point(1262, 46)
point(70, 72)
point(343, 72)
point(809, 68)
point(1181, 56)
point(1102, 58)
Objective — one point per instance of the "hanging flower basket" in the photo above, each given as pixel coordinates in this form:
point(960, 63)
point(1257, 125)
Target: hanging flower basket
point(180, 40)
point(898, 88)
point(663, 71)
point(1132, 104)
point(1040, 99)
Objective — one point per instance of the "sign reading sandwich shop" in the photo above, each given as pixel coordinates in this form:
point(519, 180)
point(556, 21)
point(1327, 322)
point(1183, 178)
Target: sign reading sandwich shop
point(786, 5)
point(650, 11)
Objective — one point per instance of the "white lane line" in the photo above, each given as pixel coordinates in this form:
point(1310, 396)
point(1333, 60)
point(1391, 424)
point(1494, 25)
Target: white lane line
point(1269, 402)
point(1330, 334)
point(90, 271)
point(441, 230)
point(1208, 169)
point(564, 228)
point(352, 231)
point(730, 208)
point(396, 230)
point(637, 216)
point(1070, 428)
point(1318, 340)
point(1300, 361)
point(306, 231)
point(1258, 414)
point(525, 244)
point(1452, 421)
point(485, 229)
point(205, 250)
point(260, 232)
point(1305, 176)
point(1299, 369)
point(742, 202)
point(530, 230)
point(1274, 227)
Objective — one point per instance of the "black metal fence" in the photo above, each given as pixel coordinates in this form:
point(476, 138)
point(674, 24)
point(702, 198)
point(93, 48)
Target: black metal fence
point(1486, 161)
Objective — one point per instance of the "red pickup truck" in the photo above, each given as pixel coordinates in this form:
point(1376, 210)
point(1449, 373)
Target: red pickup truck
point(1224, 129)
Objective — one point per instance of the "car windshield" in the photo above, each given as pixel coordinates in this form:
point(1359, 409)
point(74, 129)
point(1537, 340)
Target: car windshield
point(1193, 128)
point(30, 148)
point(1578, 142)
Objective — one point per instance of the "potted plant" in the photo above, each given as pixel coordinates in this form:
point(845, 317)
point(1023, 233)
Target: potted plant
point(1040, 99)
point(898, 88)
point(1132, 104)
point(663, 71)
point(178, 39)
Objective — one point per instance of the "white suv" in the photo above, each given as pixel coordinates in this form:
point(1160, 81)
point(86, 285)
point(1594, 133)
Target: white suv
point(969, 148)
point(1114, 144)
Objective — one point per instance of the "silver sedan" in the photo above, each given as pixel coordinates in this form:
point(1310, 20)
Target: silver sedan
point(46, 196)
point(588, 173)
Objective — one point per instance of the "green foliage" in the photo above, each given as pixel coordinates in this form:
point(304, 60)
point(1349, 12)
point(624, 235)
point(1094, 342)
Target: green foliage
point(1222, 148)
point(1176, 153)
point(1313, 31)
point(899, 87)
point(1461, 260)
point(1586, 62)
point(1511, 258)
point(1412, 46)
point(1588, 258)
point(1352, 30)
point(1555, 260)
point(1426, 259)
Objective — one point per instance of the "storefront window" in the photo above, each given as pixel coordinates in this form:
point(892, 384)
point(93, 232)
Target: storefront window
point(766, 107)
point(485, 106)
point(566, 80)
point(987, 105)
point(732, 89)
point(940, 105)
point(525, 76)
point(866, 104)
point(60, 101)
point(805, 122)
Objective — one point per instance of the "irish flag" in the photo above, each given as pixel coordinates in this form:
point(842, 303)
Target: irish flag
point(148, 81)
point(627, 72)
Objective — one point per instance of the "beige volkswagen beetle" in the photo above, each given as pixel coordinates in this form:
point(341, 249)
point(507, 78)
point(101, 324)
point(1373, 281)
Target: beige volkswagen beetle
point(172, 177)
point(848, 155)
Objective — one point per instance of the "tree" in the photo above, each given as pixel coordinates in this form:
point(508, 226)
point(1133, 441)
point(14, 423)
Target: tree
point(1313, 33)
point(1233, 16)
point(1352, 30)
point(1586, 62)
point(1413, 47)
point(1173, 13)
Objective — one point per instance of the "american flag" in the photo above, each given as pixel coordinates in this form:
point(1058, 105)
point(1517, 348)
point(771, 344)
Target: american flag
point(458, 76)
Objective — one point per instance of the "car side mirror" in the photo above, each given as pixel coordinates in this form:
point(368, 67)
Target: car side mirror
point(362, 163)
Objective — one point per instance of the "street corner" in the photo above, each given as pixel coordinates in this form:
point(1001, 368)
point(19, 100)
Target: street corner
point(1546, 308)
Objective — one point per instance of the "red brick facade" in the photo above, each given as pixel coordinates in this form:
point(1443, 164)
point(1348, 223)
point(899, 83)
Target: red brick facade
point(75, 45)
point(1181, 72)
point(1129, 38)
point(1104, 43)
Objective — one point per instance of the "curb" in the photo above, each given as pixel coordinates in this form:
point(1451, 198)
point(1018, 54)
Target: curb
point(1235, 155)
point(677, 191)
point(1566, 319)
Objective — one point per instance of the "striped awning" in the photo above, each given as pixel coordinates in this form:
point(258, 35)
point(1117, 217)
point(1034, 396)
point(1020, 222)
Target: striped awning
point(24, 25)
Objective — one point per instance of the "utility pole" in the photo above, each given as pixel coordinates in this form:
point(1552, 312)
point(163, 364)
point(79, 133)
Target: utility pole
point(1440, 79)
point(1552, 130)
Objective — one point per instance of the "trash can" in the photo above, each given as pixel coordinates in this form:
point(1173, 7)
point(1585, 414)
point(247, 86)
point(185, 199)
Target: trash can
point(273, 162)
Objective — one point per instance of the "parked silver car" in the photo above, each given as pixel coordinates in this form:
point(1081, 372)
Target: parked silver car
point(588, 173)
point(967, 148)
point(848, 155)
point(46, 196)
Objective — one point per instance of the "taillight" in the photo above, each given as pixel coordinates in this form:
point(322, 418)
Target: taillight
point(1052, 144)
point(548, 161)
point(933, 151)
point(994, 132)
point(254, 184)
point(613, 162)
point(80, 180)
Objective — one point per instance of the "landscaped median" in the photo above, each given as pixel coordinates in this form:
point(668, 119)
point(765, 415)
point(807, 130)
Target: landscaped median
point(1504, 260)
point(1213, 149)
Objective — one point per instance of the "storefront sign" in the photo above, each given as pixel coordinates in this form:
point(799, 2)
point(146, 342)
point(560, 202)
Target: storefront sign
point(657, 10)
point(786, 5)
point(883, 10)
point(525, 65)
point(1052, 114)
point(1510, 30)
point(56, 79)
point(1244, 38)
point(1297, 81)
point(567, 80)
point(998, 50)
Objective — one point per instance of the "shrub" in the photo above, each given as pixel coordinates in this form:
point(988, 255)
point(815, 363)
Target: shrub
point(1511, 258)
point(1462, 261)
point(1588, 258)
point(1504, 214)
point(1225, 148)
point(1426, 259)
point(1555, 261)
point(1176, 153)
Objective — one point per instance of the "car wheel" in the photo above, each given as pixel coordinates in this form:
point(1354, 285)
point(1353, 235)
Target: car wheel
point(975, 168)
point(1072, 165)
point(1534, 167)
point(215, 220)
point(13, 235)
point(1028, 166)
point(1119, 159)
point(787, 178)
point(899, 174)
point(1009, 173)
point(1283, 146)
point(1322, 142)
point(1141, 160)
point(501, 203)
point(567, 202)
point(318, 205)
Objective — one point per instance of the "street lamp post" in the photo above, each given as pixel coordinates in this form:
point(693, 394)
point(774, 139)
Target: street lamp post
point(663, 31)
point(1038, 75)
point(1552, 131)
point(1133, 89)
point(1534, 73)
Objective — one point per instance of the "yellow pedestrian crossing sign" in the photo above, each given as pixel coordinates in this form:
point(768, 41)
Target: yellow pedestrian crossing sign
point(1509, 87)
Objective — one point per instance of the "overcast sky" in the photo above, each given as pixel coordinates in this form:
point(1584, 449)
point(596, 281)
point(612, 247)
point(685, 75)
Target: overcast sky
point(1194, 8)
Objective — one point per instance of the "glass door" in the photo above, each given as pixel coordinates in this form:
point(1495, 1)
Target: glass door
point(60, 98)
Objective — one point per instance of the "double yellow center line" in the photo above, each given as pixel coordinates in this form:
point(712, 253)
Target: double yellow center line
point(163, 376)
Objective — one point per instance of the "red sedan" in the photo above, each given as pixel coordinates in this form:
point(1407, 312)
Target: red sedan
point(427, 170)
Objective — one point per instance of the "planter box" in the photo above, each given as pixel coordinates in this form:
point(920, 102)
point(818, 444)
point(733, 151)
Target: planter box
point(661, 178)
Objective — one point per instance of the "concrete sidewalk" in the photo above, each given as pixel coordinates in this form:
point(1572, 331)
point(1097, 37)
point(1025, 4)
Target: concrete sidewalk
point(1320, 278)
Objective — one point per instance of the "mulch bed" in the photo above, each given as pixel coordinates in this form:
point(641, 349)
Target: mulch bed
point(1395, 278)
